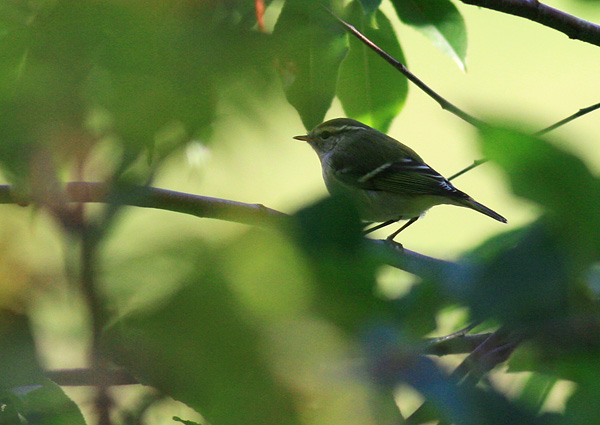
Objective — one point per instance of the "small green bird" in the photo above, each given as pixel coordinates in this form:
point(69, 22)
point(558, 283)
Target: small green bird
point(387, 180)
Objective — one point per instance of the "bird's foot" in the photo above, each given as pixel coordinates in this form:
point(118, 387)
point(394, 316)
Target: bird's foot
point(396, 245)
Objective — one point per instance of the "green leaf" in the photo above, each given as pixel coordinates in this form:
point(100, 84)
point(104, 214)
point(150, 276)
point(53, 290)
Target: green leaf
point(18, 359)
point(537, 389)
point(392, 362)
point(440, 21)
point(47, 404)
point(370, 89)
point(311, 45)
point(183, 421)
point(201, 347)
point(329, 233)
point(508, 286)
point(370, 6)
point(559, 182)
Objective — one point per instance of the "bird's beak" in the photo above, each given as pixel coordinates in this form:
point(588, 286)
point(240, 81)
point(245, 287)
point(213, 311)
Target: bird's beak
point(303, 138)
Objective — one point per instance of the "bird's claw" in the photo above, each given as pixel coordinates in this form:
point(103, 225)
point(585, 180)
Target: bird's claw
point(396, 245)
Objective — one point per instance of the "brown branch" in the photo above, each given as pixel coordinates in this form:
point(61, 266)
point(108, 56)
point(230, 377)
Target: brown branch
point(90, 377)
point(224, 209)
point(493, 349)
point(151, 197)
point(535, 11)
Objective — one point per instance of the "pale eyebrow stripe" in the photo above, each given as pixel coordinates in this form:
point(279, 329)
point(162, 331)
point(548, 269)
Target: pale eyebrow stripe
point(351, 127)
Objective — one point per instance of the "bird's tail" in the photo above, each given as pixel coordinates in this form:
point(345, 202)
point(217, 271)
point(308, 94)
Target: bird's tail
point(474, 205)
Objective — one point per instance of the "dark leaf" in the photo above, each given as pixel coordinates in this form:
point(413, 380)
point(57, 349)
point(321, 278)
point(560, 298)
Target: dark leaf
point(559, 182)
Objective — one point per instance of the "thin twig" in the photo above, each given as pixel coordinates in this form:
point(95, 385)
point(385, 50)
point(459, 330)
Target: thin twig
point(458, 334)
point(570, 118)
point(533, 10)
point(450, 107)
point(475, 163)
point(445, 104)
point(578, 114)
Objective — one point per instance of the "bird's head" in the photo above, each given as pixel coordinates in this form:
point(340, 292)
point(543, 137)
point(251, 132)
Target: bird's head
point(326, 136)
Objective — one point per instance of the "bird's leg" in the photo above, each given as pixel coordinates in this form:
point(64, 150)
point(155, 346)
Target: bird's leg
point(408, 223)
point(379, 226)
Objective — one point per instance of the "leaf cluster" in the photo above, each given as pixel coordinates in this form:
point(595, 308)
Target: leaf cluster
point(286, 325)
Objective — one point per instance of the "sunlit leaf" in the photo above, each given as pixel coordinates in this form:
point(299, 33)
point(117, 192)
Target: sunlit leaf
point(537, 389)
point(440, 21)
point(311, 46)
point(370, 89)
point(200, 348)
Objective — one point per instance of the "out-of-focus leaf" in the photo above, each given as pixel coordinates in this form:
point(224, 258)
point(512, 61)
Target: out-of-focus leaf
point(311, 46)
point(393, 361)
point(440, 21)
point(200, 347)
point(370, 89)
point(559, 182)
point(41, 101)
point(183, 421)
point(370, 6)
point(281, 289)
point(523, 283)
point(330, 234)
point(232, 342)
point(561, 359)
point(582, 407)
point(47, 404)
point(153, 70)
point(536, 390)
point(145, 76)
point(18, 360)
point(418, 309)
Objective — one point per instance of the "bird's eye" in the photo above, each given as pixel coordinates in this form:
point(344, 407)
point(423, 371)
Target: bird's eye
point(325, 135)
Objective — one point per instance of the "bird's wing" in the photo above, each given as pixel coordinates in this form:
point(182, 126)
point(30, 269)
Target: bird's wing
point(407, 176)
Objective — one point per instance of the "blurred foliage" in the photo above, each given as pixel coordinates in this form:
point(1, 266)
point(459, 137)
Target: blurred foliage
point(44, 403)
point(147, 77)
point(286, 325)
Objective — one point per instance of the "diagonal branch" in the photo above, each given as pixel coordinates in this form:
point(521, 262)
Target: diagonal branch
point(445, 104)
point(567, 120)
point(533, 10)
